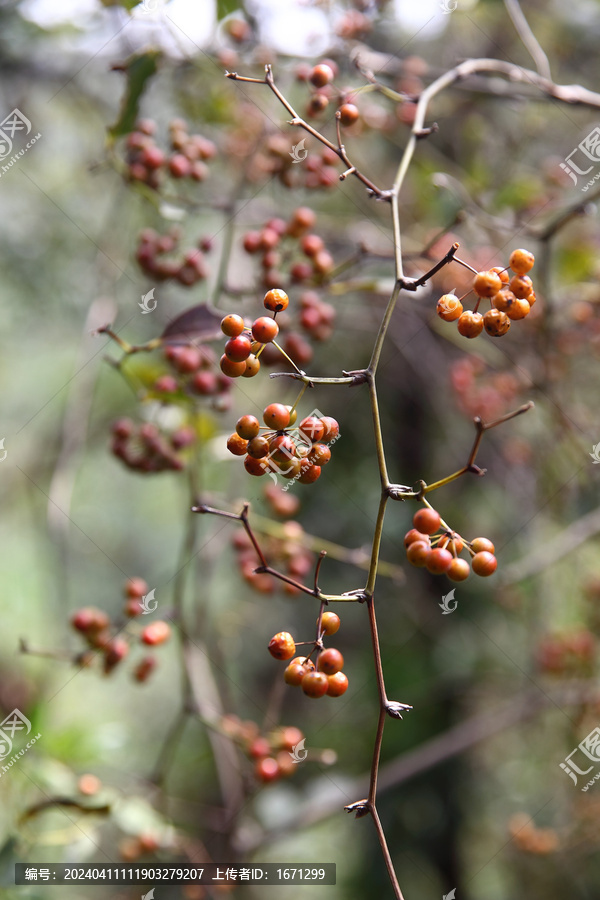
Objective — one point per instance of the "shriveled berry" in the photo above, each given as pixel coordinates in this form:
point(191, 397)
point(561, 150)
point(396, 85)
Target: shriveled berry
point(427, 520)
point(282, 646)
point(470, 324)
point(330, 661)
point(232, 325)
point(337, 684)
point(276, 300)
point(247, 427)
point(484, 563)
point(496, 323)
point(315, 684)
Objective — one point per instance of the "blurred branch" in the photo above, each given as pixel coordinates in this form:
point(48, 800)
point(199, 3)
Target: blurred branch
point(521, 24)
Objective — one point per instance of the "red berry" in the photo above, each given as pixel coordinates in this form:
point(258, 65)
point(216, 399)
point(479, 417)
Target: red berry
point(312, 244)
point(438, 561)
point(267, 769)
point(237, 445)
point(254, 466)
point(258, 447)
point(136, 588)
point(332, 429)
point(247, 427)
point(321, 75)
point(413, 535)
point(276, 300)
point(349, 114)
point(265, 329)
point(337, 684)
point(204, 383)
point(156, 633)
point(320, 454)
point(144, 668)
point(315, 684)
point(179, 166)
point(309, 472)
point(114, 652)
point(259, 747)
point(427, 520)
point(282, 646)
point(330, 623)
point(252, 241)
point(238, 348)
point(458, 570)
point(418, 553)
point(231, 368)
point(232, 325)
point(312, 428)
point(276, 416)
point(330, 661)
point(484, 563)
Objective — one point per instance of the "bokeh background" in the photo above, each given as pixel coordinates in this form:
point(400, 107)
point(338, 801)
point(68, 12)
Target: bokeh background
point(472, 795)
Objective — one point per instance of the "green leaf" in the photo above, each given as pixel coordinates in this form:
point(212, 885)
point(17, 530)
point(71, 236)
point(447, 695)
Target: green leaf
point(225, 7)
point(127, 4)
point(139, 69)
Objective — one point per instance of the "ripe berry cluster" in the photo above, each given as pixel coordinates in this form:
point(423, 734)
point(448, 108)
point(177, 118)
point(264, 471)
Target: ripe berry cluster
point(109, 639)
point(187, 157)
point(431, 544)
point(270, 752)
point(144, 448)
point(510, 298)
point(194, 374)
point(188, 269)
point(304, 253)
point(297, 453)
point(285, 554)
point(321, 77)
point(326, 677)
point(246, 341)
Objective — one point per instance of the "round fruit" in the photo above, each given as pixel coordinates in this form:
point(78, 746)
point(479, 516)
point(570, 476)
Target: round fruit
point(281, 449)
point(238, 348)
point(321, 75)
point(458, 570)
point(276, 300)
point(330, 661)
point(332, 429)
point(481, 543)
point(487, 283)
point(247, 427)
point(282, 645)
point(237, 445)
point(315, 684)
point(503, 300)
point(349, 114)
point(484, 563)
point(337, 684)
point(267, 769)
point(521, 261)
point(265, 329)
point(293, 414)
point(521, 286)
point(438, 561)
point(413, 535)
point(330, 623)
point(259, 747)
point(418, 553)
point(449, 307)
point(230, 368)
point(470, 324)
point(519, 309)
point(156, 633)
point(320, 454)
point(276, 416)
point(309, 472)
point(427, 520)
point(232, 325)
point(258, 447)
point(313, 429)
point(255, 466)
point(501, 273)
point(294, 674)
point(496, 323)
point(135, 588)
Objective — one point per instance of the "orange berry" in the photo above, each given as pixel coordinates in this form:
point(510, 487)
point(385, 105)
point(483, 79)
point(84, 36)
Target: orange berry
point(276, 300)
point(418, 553)
point(156, 633)
point(449, 307)
point(321, 75)
point(337, 684)
point(330, 661)
point(237, 445)
point(470, 324)
point(232, 325)
point(427, 520)
point(349, 114)
point(496, 323)
point(330, 622)
point(519, 309)
point(481, 543)
point(487, 283)
point(276, 416)
point(252, 367)
point(503, 300)
point(282, 646)
point(521, 286)
point(413, 535)
point(439, 561)
point(247, 427)
point(254, 466)
point(521, 261)
point(315, 684)
point(458, 570)
point(484, 563)
point(501, 273)
point(265, 329)
point(230, 368)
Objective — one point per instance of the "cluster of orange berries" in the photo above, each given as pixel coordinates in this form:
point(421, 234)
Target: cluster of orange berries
point(146, 162)
point(510, 298)
point(316, 261)
point(438, 552)
point(187, 269)
point(321, 77)
point(144, 448)
point(326, 677)
point(299, 453)
point(284, 553)
point(271, 753)
point(95, 626)
point(246, 341)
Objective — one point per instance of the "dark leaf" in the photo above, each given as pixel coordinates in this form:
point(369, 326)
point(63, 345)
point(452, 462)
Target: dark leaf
point(139, 69)
point(199, 323)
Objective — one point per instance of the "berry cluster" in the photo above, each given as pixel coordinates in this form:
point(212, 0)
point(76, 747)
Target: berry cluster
point(271, 753)
point(510, 298)
point(321, 77)
point(111, 641)
point(246, 342)
point(146, 162)
point(431, 544)
point(144, 448)
point(285, 554)
point(278, 241)
point(297, 453)
point(194, 374)
point(326, 677)
point(188, 268)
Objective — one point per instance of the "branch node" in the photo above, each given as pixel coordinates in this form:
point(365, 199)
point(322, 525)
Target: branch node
point(425, 132)
point(395, 709)
point(360, 808)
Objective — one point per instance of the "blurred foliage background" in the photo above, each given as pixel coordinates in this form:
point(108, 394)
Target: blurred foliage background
point(472, 794)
